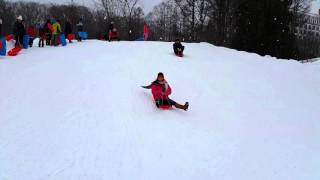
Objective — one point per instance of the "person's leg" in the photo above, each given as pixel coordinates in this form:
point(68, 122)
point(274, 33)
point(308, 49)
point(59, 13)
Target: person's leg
point(179, 106)
point(56, 40)
point(68, 36)
point(47, 40)
point(20, 40)
point(158, 103)
point(31, 42)
point(17, 41)
point(42, 42)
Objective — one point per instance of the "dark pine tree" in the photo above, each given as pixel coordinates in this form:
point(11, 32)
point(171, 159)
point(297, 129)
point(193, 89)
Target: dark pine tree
point(263, 27)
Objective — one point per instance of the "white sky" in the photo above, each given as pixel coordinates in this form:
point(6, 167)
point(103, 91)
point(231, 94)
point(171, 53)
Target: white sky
point(316, 6)
point(146, 4)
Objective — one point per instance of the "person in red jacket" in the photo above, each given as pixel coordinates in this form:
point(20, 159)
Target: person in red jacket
point(32, 35)
point(161, 91)
point(114, 35)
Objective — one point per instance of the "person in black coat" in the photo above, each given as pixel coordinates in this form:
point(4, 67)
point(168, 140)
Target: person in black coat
point(68, 29)
point(178, 48)
point(19, 31)
point(47, 28)
point(111, 27)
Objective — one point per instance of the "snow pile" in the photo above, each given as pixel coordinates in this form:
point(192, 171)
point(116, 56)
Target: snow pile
point(78, 112)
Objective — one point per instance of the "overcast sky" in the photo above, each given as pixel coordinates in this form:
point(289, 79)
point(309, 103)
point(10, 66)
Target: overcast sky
point(316, 6)
point(147, 4)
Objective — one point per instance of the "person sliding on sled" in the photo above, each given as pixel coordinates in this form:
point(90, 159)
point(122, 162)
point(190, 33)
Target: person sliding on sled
point(178, 48)
point(161, 91)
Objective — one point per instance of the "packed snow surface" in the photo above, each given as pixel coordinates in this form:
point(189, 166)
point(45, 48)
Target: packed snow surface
point(79, 113)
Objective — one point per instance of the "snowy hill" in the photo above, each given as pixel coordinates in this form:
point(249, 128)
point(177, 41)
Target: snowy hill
point(78, 113)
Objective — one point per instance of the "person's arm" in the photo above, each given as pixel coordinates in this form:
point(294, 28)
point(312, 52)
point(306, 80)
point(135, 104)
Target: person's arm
point(147, 87)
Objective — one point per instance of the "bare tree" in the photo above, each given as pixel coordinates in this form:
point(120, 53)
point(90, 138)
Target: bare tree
point(32, 12)
point(195, 13)
point(128, 9)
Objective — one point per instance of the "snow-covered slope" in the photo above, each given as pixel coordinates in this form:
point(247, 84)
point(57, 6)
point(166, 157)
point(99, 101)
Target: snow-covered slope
point(78, 113)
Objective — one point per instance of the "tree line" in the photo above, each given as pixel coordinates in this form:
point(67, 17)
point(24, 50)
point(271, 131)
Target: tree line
point(266, 27)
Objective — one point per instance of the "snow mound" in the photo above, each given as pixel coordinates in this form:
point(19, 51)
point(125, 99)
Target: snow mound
point(78, 112)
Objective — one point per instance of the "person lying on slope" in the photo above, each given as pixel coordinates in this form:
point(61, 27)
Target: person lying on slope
point(161, 91)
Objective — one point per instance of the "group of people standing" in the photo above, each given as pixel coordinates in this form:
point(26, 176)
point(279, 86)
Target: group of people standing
point(49, 32)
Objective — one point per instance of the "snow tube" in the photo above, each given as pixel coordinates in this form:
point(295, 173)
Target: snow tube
point(3, 47)
point(9, 37)
point(83, 35)
point(26, 39)
point(15, 51)
point(71, 37)
point(63, 40)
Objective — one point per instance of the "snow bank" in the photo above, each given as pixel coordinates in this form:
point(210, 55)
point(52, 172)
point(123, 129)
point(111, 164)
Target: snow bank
point(78, 112)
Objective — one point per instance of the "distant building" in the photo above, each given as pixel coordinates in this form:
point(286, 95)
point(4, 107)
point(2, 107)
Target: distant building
point(311, 28)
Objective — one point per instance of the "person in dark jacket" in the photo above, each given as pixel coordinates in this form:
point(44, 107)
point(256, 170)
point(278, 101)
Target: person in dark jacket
point(19, 31)
point(178, 48)
point(111, 26)
point(42, 35)
point(80, 28)
point(110, 29)
point(47, 28)
point(161, 91)
point(68, 29)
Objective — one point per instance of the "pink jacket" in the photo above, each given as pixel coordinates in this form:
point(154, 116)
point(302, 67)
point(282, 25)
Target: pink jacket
point(157, 91)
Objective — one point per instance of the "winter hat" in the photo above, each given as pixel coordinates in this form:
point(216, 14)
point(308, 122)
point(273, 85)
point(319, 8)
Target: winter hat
point(20, 18)
point(160, 74)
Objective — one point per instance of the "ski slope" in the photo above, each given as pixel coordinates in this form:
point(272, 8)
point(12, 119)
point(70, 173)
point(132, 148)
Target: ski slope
point(78, 113)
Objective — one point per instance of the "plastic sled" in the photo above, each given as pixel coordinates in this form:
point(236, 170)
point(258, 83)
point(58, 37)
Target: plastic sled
point(83, 35)
point(26, 40)
point(15, 51)
point(63, 40)
point(71, 37)
point(166, 107)
point(3, 47)
point(9, 37)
